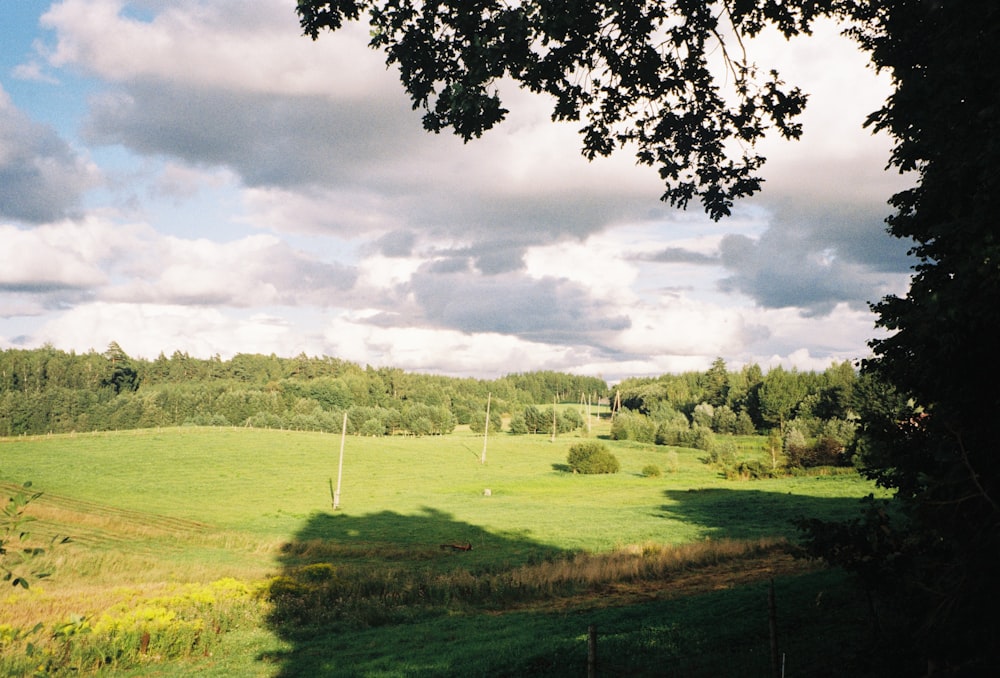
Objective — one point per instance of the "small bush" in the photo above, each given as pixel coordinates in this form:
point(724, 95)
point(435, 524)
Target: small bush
point(750, 469)
point(372, 428)
point(796, 449)
point(651, 471)
point(826, 451)
point(592, 457)
point(629, 425)
point(669, 433)
point(517, 425)
point(702, 438)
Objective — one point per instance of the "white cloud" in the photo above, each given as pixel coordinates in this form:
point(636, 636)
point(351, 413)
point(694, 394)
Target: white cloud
point(146, 330)
point(254, 271)
point(33, 70)
point(384, 273)
point(226, 44)
point(597, 264)
point(841, 335)
point(49, 258)
point(483, 354)
point(347, 211)
point(681, 327)
point(132, 263)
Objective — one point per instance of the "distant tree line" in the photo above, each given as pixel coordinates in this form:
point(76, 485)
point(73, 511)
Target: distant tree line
point(47, 390)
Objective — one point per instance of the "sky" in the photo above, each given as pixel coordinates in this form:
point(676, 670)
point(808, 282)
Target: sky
point(197, 176)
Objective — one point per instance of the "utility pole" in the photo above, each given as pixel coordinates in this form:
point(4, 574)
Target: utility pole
point(554, 400)
point(486, 428)
point(340, 466)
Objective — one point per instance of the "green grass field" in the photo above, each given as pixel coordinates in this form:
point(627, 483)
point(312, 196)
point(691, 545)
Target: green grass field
point(222, 546)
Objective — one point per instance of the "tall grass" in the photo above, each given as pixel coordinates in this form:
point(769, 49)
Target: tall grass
point(333, 591)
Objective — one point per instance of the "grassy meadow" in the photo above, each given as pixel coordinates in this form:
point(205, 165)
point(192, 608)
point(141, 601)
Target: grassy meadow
point(217, 551)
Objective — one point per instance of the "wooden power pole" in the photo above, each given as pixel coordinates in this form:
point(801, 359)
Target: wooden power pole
point(340, 466)
point(554, 401)
point(486, 428)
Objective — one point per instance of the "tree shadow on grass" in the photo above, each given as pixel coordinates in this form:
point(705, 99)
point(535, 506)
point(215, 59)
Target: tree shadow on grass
point(378, 595)
point(752, 514)
point(369, 576)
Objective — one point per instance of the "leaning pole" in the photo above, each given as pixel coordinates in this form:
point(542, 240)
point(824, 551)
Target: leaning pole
point(340, 466)
point(486, 428)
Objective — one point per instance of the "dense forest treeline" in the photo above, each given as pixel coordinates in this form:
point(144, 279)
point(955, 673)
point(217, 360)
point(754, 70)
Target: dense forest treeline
point(47, 390)
point(810, 417)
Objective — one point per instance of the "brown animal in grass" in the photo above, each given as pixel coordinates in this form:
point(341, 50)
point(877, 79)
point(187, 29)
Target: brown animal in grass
point(457, 547)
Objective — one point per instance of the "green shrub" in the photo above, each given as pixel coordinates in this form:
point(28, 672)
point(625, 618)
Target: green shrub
point(749, 469)
point(477, 422)
point(651, 471)
point(628, 425)
point(670, 433)
point(592, 457)
point(744, 425)
point(372, 427)
point(824, 452)
point(796, 449)
point(517, 425)
point(702, 438)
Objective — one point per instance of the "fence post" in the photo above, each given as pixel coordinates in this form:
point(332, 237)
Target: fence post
point(591, 651)
point(772, 623)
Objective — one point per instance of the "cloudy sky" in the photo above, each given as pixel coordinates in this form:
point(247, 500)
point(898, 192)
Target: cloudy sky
point(195, 175)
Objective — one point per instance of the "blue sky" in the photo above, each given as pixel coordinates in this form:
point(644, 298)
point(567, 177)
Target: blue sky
point(197, 176)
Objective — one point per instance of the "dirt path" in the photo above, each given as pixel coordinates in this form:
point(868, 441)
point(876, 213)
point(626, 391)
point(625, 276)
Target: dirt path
point(730, 574)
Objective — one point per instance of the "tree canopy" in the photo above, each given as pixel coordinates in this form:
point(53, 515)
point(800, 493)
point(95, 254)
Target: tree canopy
point(640, 74)
point(636, 74)
point(937, 451)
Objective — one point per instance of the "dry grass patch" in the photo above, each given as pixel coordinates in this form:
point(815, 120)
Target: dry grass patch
point(644, 563)
point(329, 590)
point(637, 573)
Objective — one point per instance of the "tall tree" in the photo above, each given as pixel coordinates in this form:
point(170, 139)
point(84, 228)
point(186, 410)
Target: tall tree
point(121, 374)
point(639, 74)
point(778, 396)
point(716, 383)
point(940, 457)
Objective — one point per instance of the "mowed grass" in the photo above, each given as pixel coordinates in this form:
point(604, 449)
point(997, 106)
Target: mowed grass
point(154, 510)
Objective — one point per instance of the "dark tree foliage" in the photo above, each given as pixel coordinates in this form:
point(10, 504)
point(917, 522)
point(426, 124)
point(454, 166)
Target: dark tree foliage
point(941, 456)
point(121, 375)
point(637, 74)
